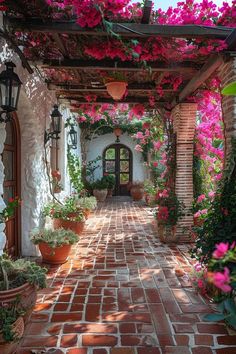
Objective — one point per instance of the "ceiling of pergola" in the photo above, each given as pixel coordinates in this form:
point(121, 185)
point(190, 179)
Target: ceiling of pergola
point(59, 47)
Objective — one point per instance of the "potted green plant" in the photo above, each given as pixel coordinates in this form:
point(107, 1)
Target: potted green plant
point(66, 215)
point(168, 212)
point(100, 190)
point(20, 279)
point(150, 192)
point(9, 210)
point(86, 204)
point(110, 181)
point(11, 326)
point(137, 190)
point(54, 245)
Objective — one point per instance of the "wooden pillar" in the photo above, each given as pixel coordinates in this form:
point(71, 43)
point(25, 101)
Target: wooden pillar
point(184, 117)
point(228, 74)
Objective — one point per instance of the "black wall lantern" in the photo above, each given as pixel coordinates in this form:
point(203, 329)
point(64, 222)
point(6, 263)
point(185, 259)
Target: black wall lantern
point(55, 125)
point(72, 137)
point(10, 85)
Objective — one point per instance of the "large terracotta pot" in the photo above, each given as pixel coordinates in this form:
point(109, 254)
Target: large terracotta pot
point(18, 328)
point(75, 226)
point(56, 255)
point(167, 234)
point(100, 194)
point(26, 293)
point(137, 193)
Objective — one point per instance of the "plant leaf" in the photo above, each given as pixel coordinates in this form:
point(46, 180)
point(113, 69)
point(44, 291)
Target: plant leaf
point(230, 89)
point(212, 317)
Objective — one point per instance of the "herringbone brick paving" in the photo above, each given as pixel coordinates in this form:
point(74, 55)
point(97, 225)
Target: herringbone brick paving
point(123, 292)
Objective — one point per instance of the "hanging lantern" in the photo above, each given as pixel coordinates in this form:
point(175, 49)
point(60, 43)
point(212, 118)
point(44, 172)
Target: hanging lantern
point(56, 118)
point(118, 132)
point(72, 137)
point(116, 89)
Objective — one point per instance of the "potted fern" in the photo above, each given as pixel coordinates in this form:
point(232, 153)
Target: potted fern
point(100, 190)
point(54, 245)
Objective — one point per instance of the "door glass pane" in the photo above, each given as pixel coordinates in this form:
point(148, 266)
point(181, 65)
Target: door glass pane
point(124, 178)
point(124, 153)
point(9, 135)
point(7, 159)
point(110, 166)
point(110, 154)
point(124, 166)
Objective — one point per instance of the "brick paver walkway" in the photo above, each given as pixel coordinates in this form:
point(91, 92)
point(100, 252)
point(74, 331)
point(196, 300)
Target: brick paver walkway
point(120, 294)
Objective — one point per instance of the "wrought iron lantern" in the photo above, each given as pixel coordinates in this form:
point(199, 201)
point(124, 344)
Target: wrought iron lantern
point(56, 118)
point(10, 85)
point(72, 137)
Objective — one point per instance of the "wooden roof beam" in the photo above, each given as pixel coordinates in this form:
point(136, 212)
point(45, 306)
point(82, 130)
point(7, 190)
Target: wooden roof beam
point(147, 11)
point(123, 29)
point(129, 100)
point(59, 43)
point(111, 65)
point(200, 77)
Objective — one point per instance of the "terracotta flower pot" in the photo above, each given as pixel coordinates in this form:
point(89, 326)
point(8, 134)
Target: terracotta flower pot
point(167, 234)
point(75, 226)
point(26, 293)
point(18, 328)
point(100, 194)
point(137, 193)
point(56, 255)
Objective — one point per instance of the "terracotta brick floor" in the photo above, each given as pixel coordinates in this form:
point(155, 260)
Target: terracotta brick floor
point(119, 293)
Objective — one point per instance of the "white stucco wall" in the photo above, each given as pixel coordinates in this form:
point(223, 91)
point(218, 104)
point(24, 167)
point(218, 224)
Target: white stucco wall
point(34, 109)
point(97, 146)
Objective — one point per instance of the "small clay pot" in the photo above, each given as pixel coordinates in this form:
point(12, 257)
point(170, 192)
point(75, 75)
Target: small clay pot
point(137, 193)
point(56, 255)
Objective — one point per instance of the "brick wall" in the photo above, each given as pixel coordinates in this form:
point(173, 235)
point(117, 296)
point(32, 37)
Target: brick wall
point(228, 74)
point(184, 116)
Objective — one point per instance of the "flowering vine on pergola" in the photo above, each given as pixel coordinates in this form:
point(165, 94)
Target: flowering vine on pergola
point(166, 57)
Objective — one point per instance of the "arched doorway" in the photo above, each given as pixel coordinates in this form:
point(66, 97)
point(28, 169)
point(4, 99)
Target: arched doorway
point(117, 161)
point(11, 185)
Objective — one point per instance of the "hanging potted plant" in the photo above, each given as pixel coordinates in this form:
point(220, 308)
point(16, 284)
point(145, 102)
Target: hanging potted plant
point(100, 190)
point(54, 245)
point(116, 85)
point(67, 216)
point(137, 190)
point(19, 280)
point(56, 177)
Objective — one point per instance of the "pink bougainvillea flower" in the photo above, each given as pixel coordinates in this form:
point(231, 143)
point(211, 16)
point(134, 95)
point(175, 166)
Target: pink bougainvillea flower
point(211, 194)
point(201, 198)
point(157, 145)
point(197, 214)
point(198, 267)
point(222, 280)
point(220, 251)
point(138, 148)
point(155, 164)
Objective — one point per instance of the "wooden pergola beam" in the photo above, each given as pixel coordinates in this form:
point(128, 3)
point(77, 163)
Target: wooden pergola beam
point(118, 65)
point(102, 100)
point(123, 29)
point(231, 40)
point(137, 87)
point(147, 11)
point(59, 43)
point(201, 76)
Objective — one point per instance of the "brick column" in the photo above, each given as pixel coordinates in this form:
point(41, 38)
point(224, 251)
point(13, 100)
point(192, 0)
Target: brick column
point(228, 74)
point(184, 116)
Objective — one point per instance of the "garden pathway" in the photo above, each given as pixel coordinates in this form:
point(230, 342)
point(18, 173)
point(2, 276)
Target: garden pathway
point(120, 293)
